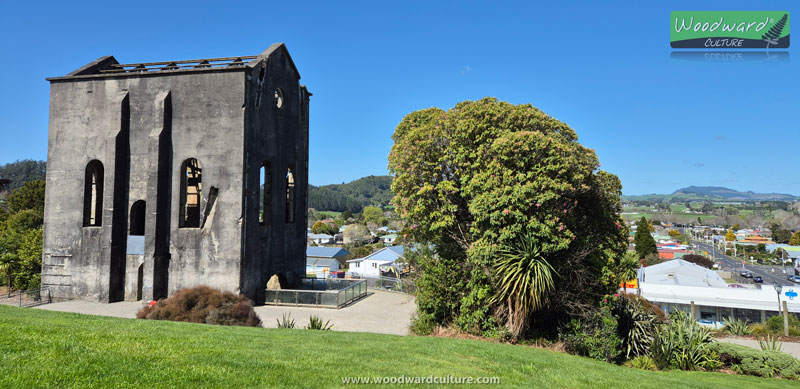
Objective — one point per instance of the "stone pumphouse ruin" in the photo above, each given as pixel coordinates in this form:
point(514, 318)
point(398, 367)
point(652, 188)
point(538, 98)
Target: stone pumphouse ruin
point(167, 175)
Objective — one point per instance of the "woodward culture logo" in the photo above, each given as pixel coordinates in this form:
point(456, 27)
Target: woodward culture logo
point(729, 29)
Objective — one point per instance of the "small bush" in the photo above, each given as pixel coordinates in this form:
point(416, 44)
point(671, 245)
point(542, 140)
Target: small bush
point(595, 337)
point(202, 304)
point(735, 326)
point(759, 329)
point(423, 324)
point(745, 360)
point(286, 321)
point(642, 362)
point(315, 323)
point(769, 344)
point(682, 344)
point(637, 320)
point(775, 325)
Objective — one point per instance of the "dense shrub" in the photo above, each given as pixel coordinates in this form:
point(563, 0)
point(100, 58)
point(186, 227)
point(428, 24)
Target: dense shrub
point(735, 326)
point(423, 324)
point(595, 337)
point(699, 260)
point(758, 329)
point(202, 304)
point(316, 323)
point(683, 344)
point(643, 362)
point(746, 360)
point(775, 325)
point(637, 320)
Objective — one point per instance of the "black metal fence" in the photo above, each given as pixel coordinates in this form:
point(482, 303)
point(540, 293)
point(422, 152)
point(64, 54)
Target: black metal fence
point(27, 298)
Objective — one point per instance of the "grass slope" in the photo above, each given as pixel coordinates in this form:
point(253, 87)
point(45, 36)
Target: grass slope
point(52, 349)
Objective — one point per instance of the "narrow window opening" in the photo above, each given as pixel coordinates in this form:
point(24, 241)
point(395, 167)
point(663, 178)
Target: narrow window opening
point(191, 193)
point(278, 93)
point(265, 179)
point(93, 195)
point(290, 194)
point(137, 218)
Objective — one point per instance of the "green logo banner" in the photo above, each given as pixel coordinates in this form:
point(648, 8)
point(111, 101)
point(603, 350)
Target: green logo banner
point(729, 29)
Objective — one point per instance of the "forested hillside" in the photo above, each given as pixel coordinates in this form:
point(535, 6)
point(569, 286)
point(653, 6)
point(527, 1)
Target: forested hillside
point(13, 175)
point(353, 196)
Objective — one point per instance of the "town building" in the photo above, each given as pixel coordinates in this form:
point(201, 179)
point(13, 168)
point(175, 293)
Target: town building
point(681, 285)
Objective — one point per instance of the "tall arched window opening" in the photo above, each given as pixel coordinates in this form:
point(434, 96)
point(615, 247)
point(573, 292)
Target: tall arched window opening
point(137, 216)
point(290, 194)
point(191, 193)
point(93, 195)
point(265, 188)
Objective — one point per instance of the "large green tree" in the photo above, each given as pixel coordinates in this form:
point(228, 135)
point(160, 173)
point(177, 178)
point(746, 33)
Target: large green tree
point(471, 179)
point(372, 214)
point(21, 236)
point(645, 244)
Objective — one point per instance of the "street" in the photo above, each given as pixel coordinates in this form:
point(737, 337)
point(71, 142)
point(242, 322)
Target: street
point(735, 267)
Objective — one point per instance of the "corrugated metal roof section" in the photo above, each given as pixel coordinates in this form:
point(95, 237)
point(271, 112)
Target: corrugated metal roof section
point(325, 252)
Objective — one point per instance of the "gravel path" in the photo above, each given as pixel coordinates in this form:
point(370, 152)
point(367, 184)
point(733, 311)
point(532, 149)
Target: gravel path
point(787, 347)
point(380, 312)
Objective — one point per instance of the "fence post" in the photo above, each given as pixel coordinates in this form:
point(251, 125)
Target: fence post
point(785, 319)
point(20, 298)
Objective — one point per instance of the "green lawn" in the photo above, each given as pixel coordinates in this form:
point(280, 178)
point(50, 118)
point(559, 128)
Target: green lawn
point(51, 349)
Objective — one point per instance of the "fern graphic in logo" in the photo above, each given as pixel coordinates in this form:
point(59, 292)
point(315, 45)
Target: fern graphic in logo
point(771, 37)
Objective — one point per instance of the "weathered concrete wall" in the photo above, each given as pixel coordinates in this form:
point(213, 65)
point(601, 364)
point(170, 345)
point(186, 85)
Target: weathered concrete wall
point(207, 124)
point(277, 136)
point(142, 127)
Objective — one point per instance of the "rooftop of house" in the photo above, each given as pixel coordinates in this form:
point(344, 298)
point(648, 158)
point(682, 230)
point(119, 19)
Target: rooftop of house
point(321, 262)
point(388, 254)
point(326, 252)
point(319, 236)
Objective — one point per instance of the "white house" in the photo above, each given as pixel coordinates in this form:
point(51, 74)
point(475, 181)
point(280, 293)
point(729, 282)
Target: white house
point(320, 238)
point(389, 239)
point(370, 266)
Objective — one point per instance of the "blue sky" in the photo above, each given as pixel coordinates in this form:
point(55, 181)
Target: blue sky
point(658, 122)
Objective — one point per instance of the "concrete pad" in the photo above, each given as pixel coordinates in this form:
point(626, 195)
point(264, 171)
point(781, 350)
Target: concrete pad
point(380, 312)
point(126, 309)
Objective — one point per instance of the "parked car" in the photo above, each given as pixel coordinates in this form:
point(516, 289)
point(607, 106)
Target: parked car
point(735, 286)
point(793, 278)
point(758, 280)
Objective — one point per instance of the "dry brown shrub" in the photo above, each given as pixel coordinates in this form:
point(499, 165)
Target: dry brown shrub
point(203, 304)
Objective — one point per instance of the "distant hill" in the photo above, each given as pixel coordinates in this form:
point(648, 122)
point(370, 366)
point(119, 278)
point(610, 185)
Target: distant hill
point(713, 193)
point(352, 196)
point(731, 194)
point(13, 175)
